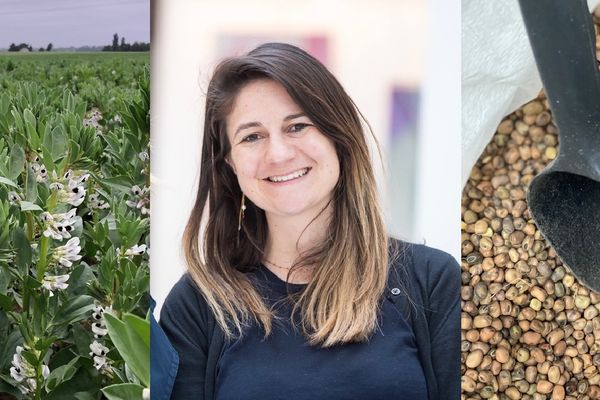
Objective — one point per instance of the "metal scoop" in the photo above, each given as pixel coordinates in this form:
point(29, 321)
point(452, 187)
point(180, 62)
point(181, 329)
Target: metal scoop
point(565, 198)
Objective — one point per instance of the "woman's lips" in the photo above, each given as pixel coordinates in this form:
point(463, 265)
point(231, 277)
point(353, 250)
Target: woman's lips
point(292, 176)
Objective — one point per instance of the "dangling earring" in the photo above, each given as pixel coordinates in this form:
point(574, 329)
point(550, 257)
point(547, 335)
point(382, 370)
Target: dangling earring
point(242, 209)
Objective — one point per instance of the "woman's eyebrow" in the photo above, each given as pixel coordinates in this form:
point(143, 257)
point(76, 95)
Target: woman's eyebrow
point(246, 125)
point(255, 124)
point(293, 116)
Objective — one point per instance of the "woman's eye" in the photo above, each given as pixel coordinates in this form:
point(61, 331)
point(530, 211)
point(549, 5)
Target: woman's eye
point(298, 127)
point(250, 138)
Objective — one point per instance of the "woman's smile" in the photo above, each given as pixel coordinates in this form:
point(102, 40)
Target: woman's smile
point(287, 178)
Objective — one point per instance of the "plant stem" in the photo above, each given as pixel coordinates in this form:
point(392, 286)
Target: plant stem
point(30, 232)
point(45, 242)
point(39, 382)
point(41, 265)
point(26, 295)
point(115, 288)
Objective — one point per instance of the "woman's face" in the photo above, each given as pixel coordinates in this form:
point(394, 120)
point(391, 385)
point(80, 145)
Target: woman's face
point(283, 163)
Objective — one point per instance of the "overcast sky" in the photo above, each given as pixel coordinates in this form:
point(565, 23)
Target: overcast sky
point(76, 23)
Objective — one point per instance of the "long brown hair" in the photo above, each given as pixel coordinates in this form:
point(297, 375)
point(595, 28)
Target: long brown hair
point(341, 302)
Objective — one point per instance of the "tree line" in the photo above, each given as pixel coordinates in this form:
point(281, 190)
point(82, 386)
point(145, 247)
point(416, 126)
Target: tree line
point(19, 47)
point(124, 46)
point(116, 45)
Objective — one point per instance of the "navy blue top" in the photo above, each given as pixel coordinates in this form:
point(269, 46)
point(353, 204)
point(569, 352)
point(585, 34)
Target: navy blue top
point(430, 277)
point(284, 366)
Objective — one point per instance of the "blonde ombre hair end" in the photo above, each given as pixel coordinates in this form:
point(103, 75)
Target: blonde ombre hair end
point(341, 303)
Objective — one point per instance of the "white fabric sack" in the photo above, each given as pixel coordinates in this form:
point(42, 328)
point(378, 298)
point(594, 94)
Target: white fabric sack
point(499, 73)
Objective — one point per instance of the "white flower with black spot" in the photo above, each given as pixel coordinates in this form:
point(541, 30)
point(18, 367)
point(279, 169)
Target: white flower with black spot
point(98, 353)
point(20, 369)
point(71, 188)
point(144, 156)
point(14, 198)
point(55, 282)
point(96, 203)
point(59, 226)
point(65, 255)
point(74, 195)
point(97, 313)
point(92, 119)
point(24, 373)
point(135, 250)
point(41, 172)
point(140, 199)
point(98, 324)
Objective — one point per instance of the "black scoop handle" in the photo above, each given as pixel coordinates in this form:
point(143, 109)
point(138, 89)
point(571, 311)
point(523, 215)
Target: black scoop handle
point(561, 33)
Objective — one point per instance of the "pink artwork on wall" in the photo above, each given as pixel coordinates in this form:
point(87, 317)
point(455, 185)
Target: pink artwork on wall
point(232, 45)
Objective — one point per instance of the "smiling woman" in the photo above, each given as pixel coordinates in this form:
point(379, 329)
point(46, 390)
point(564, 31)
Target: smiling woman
point(283, 163)
point(306, 295)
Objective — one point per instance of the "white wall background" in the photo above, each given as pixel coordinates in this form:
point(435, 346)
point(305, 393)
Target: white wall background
point(373, 46)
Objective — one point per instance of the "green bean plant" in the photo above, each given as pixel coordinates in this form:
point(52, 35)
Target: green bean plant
point(74, 228)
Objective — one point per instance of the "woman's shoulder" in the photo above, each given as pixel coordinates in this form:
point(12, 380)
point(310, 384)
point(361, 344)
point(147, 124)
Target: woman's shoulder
point(432, 279)
point(426, 265)
point(185, 286)
point(184, 289)
point(185, 298)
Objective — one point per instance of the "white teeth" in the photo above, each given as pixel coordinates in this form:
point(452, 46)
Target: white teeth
point(289, 177)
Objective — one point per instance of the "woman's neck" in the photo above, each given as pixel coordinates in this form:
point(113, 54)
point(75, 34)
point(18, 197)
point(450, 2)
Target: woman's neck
point(291, 237)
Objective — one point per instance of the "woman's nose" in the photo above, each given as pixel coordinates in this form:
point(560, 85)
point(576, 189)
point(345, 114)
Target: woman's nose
point(279, 150)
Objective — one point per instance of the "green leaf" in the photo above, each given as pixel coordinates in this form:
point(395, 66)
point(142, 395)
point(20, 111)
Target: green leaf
point(107, 269)
point(97, 235)
point(61, 374)
point(43, 193)
point(17, 162)
point(18, 121)
point(74, 309)
point(123, 391)
point(74, 150)
point(25, 329)
point(132, 340)
point(5, 279)
point(5, 302)
point(9, 347)
point(29, 206)
point(44, 344)
point(140, 326)
point(29, 357)
point(7, 388)
point(81, 275)
point(30, 127)
point(91, 395)
point(82, 339)
point(22, 247)
point(38, 308)
point(31, 193)
point(8, 182)
point(56, 143)
point(47, 159)
point(120, 183)
point(131, 231)
point(29, 117)
point(31, 283)
point(80, 384)
point(62, 356)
